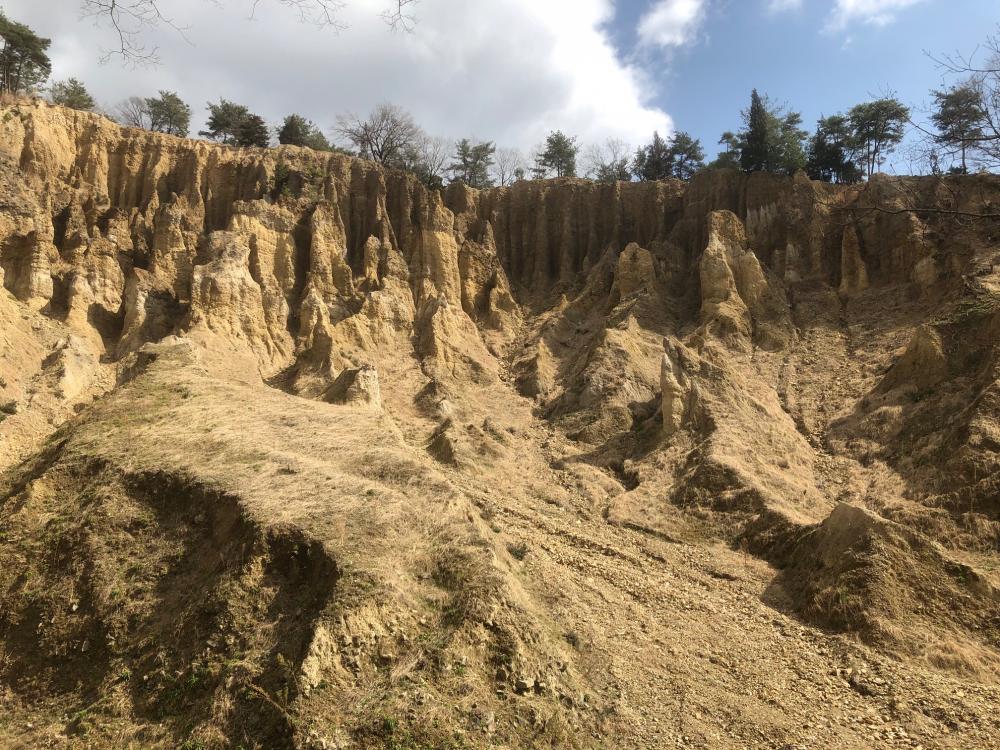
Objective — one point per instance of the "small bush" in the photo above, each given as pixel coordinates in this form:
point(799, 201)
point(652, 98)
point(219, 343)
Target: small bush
point(518, 551)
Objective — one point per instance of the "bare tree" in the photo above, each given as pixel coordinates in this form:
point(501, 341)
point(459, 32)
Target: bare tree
point(133, 112)
point(427, 157)
point(385, 136)
point(608, 161)
point(508, 163)
point(130, 20)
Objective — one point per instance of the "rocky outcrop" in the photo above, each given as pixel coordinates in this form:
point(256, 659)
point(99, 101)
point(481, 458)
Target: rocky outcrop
point(678, 393)
point(227, 300)
point(356, 386)
point(853, 273)
point(737, 302)
point(922, 365)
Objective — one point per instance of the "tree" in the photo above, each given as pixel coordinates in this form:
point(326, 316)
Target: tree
point(384, 136)
point(165, 113)
point(609, 162)
point(24, 64)
point(294, 131)
point(959, 118)
point(831, 156)
point(730, 158)
point(757, 152)
point(71, 93)
point(507, 162)
point(653, 161)
point(253, 131)
point(427, 157)
point(791, 154)
point(679, 157)
point(133, 113)
point(298, 131)
point(224, 121)
point(687, 156)
point(981, 75)
point(168, 114)
point(771, 140)
point(558, 156)
point(878, 127)
point(471, 163)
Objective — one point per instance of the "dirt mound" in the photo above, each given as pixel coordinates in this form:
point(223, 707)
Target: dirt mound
point(182, 613)
point(858, 572)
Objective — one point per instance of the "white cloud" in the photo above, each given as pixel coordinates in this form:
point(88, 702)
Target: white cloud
point(671, 23)
point(504, 70)
point(876, 12)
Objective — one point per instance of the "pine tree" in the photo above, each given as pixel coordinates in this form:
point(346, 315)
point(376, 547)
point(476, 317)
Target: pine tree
point(471, 163)
point(959, 118)
point(73, 94)
point(224, 120)
point(755, 156)
point(832, 151)
point(253, 131)
point(654, 161)
point(730, 158)
point(687, 155)
point(168, 114)
point(878, 127)
point(558, 156)
point(24, 64)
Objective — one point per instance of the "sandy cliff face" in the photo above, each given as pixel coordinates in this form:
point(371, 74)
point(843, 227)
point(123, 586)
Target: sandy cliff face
point(297, 453)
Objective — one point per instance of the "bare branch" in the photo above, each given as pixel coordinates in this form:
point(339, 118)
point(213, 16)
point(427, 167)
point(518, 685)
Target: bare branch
point(131, 20)
point(322, 13)
point(508, 163)
point(398, 18)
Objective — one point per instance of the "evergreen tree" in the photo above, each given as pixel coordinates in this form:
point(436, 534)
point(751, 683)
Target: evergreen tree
point(654, 161)
point(168, 114)
point(224, 120)
point(558, 156)
point(756, 154)
point(878, 127)
point(959, 118)
point(234, 124)
point(253, 131)
point(24, 64)
point(471, 163)
point(730, 158)
point(687, 156)
point(791, 156)
point(298, 131)
point(771, 140)
point(73, 94)
point(831, 156)
point(294, 131)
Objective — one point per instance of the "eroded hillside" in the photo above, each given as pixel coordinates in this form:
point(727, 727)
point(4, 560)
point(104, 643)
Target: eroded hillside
point(295, 453)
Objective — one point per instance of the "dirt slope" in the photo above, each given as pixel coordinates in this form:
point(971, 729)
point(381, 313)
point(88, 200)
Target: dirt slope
point(295, 453)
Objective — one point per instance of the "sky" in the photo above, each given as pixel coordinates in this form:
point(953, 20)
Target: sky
point(512, 70)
